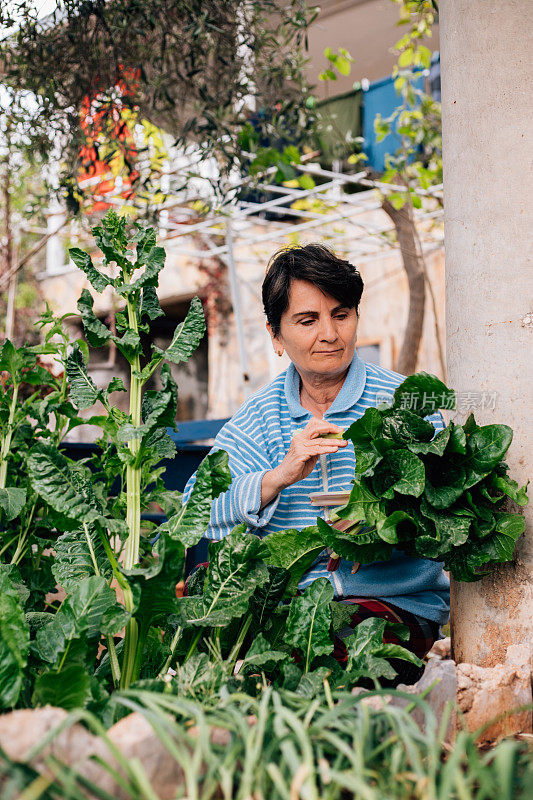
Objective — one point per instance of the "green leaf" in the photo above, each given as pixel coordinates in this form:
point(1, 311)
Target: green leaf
point(149, 304)
point(294, 551)
point(364, 430)
point(84, 262)
point(12, 500)
point(83, 391)
point(129, 344)
point(362, 548)
point(362, 505)
point(388, 528)
point(510, 488)
point(14, 642)
point(312, 683)
point(96, 332)
point(367, 653)
point(159, 406)
point(187, 335)
point(404, 426)
point(424, 394)
point(485, 448)
point(451, 529)
point(436, 446)
point(260, 656)
point(80, 615)
point(155, 261)
point(73, 559)
point(309, 622)
point(267, 596)
point(65, 486)
point(189, 524)
point(67, 689)
point(235, 570)
point(400, 471)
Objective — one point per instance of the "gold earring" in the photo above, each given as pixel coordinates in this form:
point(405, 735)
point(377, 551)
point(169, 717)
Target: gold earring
point(279, 352)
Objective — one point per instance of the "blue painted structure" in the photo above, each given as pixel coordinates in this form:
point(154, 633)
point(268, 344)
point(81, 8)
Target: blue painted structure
point(381, 98)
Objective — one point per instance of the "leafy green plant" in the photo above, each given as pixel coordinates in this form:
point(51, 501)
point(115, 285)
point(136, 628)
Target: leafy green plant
point(433, 496)
point(66, 524)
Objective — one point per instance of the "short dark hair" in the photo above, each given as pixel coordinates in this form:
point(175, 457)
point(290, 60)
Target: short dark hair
point(314, 263)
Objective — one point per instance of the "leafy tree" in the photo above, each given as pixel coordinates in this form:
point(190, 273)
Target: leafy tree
point(199, 69)
point(417, 165)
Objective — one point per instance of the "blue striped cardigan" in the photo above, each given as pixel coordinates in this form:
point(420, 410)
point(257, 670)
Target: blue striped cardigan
point(257, 438)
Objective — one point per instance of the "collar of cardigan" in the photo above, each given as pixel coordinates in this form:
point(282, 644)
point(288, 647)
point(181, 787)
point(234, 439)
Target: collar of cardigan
point(351, 390)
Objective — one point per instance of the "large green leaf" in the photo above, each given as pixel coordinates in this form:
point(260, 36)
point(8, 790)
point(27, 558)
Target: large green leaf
point(14, 642)
point(363, 504)
point(403, 426)
point(83, 390)
point(149, 304)
point(309, 622)
point(388, 528)
point(364, 430)
point(368, 654)
point(73, 559)
point(261, 656)
point(465, 562)
point(84, 262)
point(511, 488)
point(436, 446)
point(12, 500)
point(96, 332)
point(80, 615)
point(423, 394)
point(485, 448)
point(67, 689)
point(154, 261)
point(235, 570)
point(187, 335)
point(400, 471)
point(364, 547)
point(159, 406)
point(190, 522)
point(62, 484)
point(294, 551)
point(445, 481)
point(452, 528)
point(267, 596)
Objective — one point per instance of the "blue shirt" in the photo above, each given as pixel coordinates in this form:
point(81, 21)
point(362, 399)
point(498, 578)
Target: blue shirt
point(257, 439)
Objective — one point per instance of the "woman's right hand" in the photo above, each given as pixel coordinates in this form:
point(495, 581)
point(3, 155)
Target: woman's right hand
point(306, 447)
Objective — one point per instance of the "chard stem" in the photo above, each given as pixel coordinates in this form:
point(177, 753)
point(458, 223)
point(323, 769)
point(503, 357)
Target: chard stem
point(113, 660)
point(192, 648)
point(133, 509)
point(6, 444)
point(175, 639)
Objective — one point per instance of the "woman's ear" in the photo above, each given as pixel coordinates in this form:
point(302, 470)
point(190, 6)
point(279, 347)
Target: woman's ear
point(278, 347)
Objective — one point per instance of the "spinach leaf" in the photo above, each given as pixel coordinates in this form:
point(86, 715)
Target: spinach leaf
point(309, 622)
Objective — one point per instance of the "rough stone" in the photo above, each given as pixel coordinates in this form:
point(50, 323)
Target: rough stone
point(441, 649)
point(490, 695)
point(23, 730)
point(440, 674)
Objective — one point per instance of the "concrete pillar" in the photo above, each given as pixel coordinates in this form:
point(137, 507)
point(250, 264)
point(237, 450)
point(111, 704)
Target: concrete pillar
point(486, 53)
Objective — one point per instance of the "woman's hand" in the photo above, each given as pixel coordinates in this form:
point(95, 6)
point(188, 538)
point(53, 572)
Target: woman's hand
point(305, 449)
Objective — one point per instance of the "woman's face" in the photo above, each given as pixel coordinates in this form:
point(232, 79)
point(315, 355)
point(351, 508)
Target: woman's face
point(317, 332)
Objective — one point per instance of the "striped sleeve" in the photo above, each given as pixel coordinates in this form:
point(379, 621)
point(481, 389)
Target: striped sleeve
point(437, 420)
point(240, 504)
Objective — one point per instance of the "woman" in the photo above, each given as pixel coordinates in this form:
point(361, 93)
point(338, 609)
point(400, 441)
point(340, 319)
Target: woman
point(274, 442)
